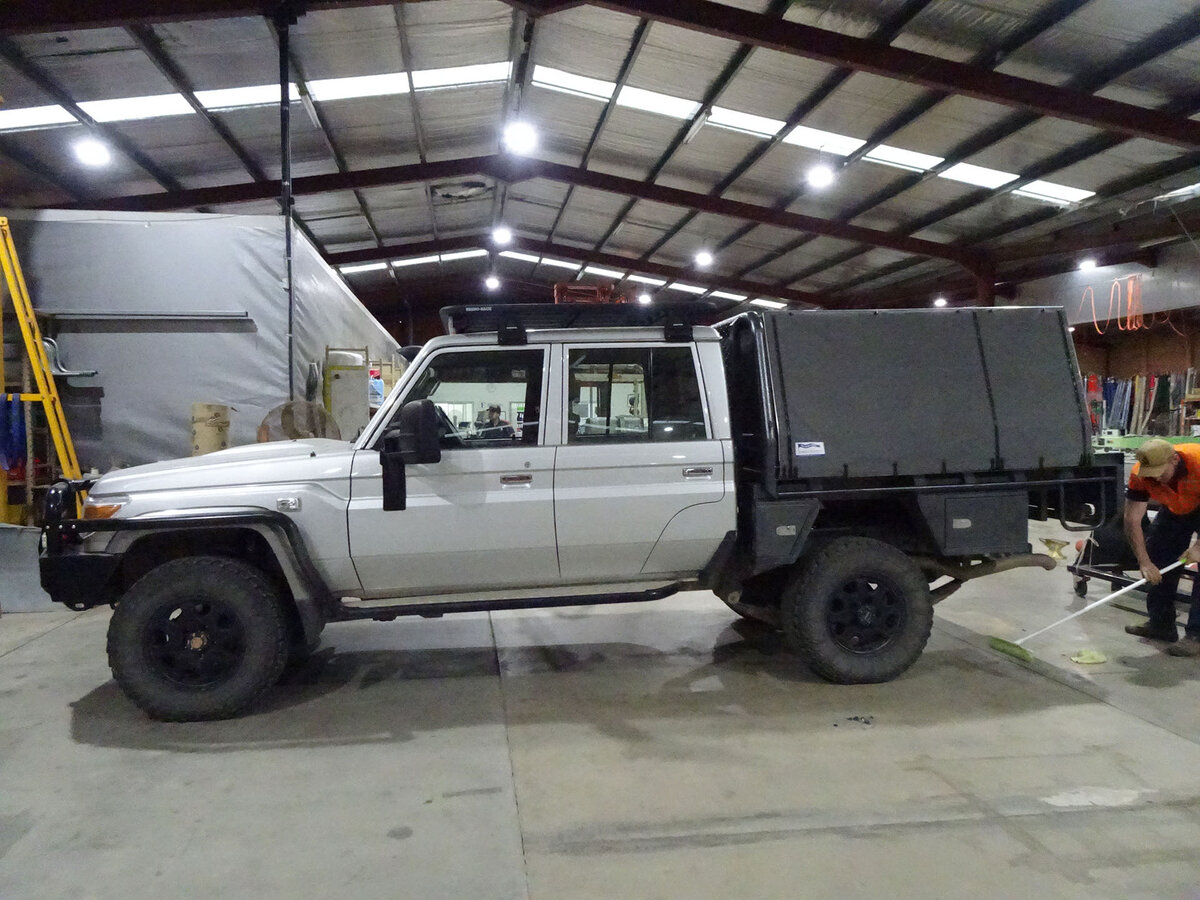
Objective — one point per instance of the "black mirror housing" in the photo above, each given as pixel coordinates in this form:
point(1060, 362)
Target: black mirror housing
point(412, 441)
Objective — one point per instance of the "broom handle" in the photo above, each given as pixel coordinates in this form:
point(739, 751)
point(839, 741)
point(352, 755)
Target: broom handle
point(1113, 596)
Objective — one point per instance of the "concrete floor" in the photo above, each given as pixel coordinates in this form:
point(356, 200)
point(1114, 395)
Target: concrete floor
point(658, 750)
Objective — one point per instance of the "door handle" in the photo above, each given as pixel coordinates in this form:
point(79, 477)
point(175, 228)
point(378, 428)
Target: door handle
point(516, 479)
point(697, 471)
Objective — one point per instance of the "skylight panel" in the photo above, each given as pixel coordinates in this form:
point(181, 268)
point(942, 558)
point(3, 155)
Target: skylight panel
point(324, 89)
point(769, 304)
point(903, 159)
point(561, 263)
point(579, 85)
point(128, 109)
point(686, 288)
point(646, 279)
point(1054, 193)
point(523, 257)
point(978, 175)
point(604, 273)
point(745, 122)
point(34, 117)
point(825, 141)
point(461, 75)
point(725, 295)
point(415, 261)
point(463, 254)
point(363, 267)
point(652, 101)
point(253, 95)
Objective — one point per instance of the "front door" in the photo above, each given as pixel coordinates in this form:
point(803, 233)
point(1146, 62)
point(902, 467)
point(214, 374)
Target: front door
point(639, 484)
point(481, 519)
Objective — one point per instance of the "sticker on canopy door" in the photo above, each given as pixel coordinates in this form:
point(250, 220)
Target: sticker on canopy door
point(810, 448)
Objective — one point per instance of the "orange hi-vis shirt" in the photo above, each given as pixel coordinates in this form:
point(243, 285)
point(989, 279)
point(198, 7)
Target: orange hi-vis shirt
point(1182, 495)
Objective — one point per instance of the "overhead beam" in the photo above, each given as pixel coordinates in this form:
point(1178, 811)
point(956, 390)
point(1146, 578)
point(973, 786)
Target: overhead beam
point(510, 170)
point(575, 254)
point(1118, 235)
point(863, 55)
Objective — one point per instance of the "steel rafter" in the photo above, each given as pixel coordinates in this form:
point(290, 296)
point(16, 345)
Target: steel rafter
point(636, 43)
point(887, 31)
point(576, 254)
point(990, 56)
point(42, 172)
point(1172, 36)
point(19, 61)
point(510, 170)
point(929, 71)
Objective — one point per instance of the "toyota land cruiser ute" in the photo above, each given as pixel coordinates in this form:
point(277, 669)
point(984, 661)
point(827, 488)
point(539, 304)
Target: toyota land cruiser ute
point(830, 473)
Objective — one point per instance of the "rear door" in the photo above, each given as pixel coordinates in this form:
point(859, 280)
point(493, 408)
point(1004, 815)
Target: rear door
point(638, 482)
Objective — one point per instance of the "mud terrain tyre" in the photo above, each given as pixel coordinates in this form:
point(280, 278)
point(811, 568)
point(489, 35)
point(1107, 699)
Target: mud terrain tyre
point(858, 612)
point(198, 638)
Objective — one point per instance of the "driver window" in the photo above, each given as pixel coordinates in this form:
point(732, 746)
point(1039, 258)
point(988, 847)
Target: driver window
point(486, 398)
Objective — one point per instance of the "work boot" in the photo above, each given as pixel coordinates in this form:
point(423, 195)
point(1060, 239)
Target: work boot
point(1154, 632)
point(1189, 646)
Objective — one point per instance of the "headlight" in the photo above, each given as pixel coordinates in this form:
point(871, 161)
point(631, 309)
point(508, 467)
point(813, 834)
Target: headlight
point(104, 507)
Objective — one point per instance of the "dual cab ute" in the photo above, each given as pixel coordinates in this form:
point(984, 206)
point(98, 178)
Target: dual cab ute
point(832, 474)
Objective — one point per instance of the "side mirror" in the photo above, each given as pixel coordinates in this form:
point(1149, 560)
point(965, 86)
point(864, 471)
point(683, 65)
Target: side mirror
point(413, 440)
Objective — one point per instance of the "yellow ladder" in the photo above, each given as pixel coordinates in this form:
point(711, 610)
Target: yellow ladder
point(47, 392)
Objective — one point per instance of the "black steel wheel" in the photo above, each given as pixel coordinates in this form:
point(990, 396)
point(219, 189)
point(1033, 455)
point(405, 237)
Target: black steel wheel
point(198, 638)
point(858, 611)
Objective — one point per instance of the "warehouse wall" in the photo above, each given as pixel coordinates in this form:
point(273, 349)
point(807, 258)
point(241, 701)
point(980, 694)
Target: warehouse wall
point(172, 309)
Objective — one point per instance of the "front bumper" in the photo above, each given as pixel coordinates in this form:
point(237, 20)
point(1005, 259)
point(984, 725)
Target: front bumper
point(78, 580)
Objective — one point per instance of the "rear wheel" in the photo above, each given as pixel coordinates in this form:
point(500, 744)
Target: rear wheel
point(198, 638)
point(858, 612)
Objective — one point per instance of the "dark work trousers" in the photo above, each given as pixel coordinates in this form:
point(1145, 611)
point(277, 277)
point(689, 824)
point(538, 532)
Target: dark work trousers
point(1169, 536)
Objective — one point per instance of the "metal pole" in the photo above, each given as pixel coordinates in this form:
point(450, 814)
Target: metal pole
point(284, 18)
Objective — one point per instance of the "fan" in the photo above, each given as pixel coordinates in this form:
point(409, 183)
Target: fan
point(298, 419)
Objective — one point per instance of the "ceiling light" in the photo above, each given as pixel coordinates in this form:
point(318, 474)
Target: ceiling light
point(703, 259)
point(939, 302)
point(825, 141)
point(748, 123)
point(819, 176)
point(323, 89)
point(646, 279)
point(725, 295)
point(645, 299)
point(561, 263)
point(34, 117)
point(92, 152)
point(909, 160)
point(414, 261)
point(462, 254)
point(365, 267)
point(978, 175)
point(128, 109)
point(254, 95)
point(502, 235)
point(523, 257)
point(687, 288)
point(1072, 328)
point(580, 86)
point(603, 273)
point(1087, 265)
point(1050, 192)
point(520, 138)
point(769, 304)
point(652, 101)
point(491, 282)
point(456, 76)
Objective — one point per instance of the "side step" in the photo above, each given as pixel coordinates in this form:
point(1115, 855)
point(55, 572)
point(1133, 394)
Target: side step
point(433, 610)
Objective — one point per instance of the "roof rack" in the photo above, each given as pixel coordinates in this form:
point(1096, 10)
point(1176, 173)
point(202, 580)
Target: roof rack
point(511, 321)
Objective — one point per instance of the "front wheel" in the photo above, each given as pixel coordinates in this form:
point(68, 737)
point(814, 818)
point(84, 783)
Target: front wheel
point(198, 638)
point(859, 612)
